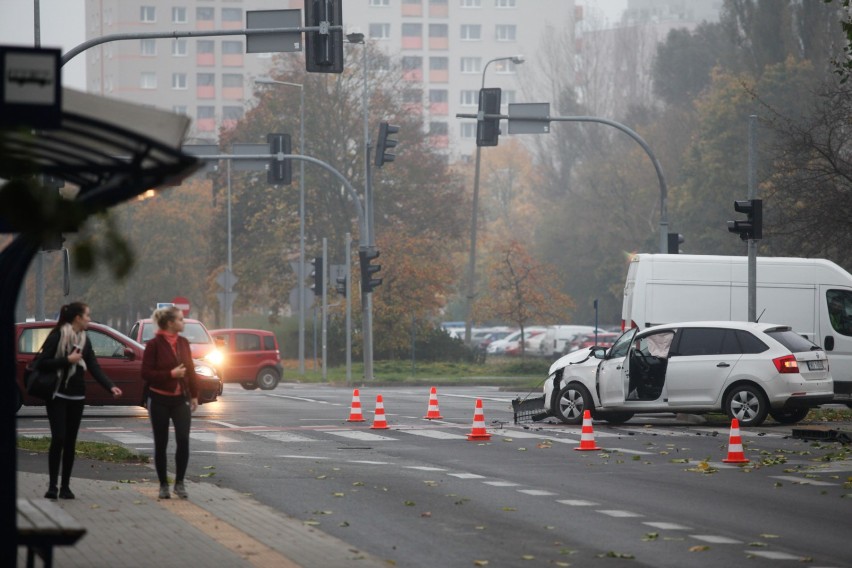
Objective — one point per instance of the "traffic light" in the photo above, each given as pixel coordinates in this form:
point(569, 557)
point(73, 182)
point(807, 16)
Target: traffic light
point(368, 283)
point(342, 285)
point(488, 129)
point(752, 227)
point(317, 286)
point(675, 240)
point(280, 171)
point(324, 51)
point(384, 143)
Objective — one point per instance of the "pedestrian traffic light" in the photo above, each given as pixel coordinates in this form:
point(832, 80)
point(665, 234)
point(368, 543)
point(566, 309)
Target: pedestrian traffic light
point(324, 48)
point(280, 171)
point(488, 129)
point(368, 283)
point(385, 143)
point(675, 240)
point(317, 273)
point(752, 226)
point(342, 285)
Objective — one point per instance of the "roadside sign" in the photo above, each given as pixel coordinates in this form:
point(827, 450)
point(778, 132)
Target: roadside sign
point(278, 42)
point(30, 87)
point(519, 111)
point(249, 165)
point(161, 305)
point(182, 304)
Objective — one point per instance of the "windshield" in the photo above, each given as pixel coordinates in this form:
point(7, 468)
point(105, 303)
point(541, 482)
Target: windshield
point(194, 332)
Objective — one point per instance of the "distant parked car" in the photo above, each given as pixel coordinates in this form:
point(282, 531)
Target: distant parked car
point(586, 340)
point(513, 345)
point(746, 370)
point(251, 357)
point(119, 356)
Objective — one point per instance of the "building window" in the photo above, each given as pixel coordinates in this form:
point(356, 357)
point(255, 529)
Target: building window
point(439, 30)
point(205, 79)
point(412, 30)
point(504, 3)
point(469, 98)
point(179, 109)
point(206, 46)
point(232, 112)
point(204, 14)
point(147, 14)
point(418, 2)
point(148, 47)
point(179, 15)
point(412, 96)
point(148, 80)
point(232, 80)
point(232, 48)
point(471, 65)
point(439, 63)
point(438, 96)
point(380, 3)
point(471, 32)
point(438, 129)
point(471, 3)
point(179, 48)
point(379, 31)
point(438, 2)
point(179, 81)
point(412, 63)
point(468, 130)
point(504, 32)
point(232, 14)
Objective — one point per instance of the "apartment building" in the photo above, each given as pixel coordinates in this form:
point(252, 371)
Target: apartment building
point(443, 47)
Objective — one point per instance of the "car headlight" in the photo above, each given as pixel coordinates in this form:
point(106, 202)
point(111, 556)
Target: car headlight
point(204, 370)
point(215, 357)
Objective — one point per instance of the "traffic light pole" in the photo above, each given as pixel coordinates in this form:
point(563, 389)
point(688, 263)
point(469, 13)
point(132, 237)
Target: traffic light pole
point(347, 247)
point(324, 309)
point(752, 243)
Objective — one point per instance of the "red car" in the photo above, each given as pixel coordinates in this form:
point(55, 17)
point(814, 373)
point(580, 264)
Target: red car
point(200, 341)
point(120, 359)
point(251, 357)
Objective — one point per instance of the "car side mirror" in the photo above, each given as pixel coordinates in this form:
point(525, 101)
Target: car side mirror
point(599, 352)
point(129, 354)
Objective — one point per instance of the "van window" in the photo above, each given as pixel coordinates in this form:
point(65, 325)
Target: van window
point(791, 340)
point(840, 310)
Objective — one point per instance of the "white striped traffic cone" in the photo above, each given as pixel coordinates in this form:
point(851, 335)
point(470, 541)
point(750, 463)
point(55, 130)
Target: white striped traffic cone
point(379, 422)
point(355, 410)
point(433, 412)
point(735, 445)
point(478, 432)
point(587, 436)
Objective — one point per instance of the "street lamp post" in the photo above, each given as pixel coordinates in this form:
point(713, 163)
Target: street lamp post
point(471, 268)
point(301, 278)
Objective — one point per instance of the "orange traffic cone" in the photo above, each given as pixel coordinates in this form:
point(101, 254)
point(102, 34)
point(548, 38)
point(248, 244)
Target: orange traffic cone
point(379, 422)
point(433, 411)
point(587, 435)
point(355, 411)
point(735, 445)
point(477, 432)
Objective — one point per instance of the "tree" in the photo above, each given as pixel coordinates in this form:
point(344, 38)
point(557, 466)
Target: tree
point(521, 290)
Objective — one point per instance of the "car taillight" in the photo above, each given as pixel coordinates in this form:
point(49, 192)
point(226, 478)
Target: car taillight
point(786, 364)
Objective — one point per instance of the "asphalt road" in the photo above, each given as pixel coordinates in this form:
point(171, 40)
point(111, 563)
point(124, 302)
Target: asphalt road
point(420, 494)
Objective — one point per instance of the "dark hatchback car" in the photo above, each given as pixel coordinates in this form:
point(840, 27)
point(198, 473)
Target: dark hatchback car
point(120, 359)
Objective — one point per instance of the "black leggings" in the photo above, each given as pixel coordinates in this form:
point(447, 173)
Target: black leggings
point(161, 409)
point(65, 417)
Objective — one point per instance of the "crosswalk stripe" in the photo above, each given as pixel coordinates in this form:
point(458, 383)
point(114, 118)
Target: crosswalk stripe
point(283, 436)
point(358, 435)
point(437, 434)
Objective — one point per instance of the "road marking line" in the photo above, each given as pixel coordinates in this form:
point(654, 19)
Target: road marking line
point(577, 502)
point(438, 434)
point(424, 468)
point(501, 483)
point(467, 475)
point(713, 539)
point(130, 438)
point(536, 492)
point(283, 436)
point(305, 457)
point(212, 437)
point(803, 480)
point(363, 436)
point(772, 555)
point(667, 526)
point(369, 462)
point(619, 514)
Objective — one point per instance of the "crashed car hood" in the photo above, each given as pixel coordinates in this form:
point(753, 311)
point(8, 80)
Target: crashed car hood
point(581, 356)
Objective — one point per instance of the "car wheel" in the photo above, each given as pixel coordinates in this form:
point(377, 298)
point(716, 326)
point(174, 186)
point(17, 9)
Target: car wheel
point(615, 417)
point(789, 416)
point(249, 386)
point(267, 378)
point(747, 404)
point(570, 403)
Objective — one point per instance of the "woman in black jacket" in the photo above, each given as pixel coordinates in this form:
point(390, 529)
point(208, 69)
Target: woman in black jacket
point(68, 352)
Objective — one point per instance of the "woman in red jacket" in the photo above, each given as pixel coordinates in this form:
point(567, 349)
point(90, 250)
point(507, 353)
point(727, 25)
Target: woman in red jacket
point(168, 369)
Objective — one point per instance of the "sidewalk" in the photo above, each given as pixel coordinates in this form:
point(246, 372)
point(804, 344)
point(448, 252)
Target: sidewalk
point(216, 527)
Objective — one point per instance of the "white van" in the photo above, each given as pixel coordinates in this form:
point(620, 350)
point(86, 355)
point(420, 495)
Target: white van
point(814, 296)
point(556, 336)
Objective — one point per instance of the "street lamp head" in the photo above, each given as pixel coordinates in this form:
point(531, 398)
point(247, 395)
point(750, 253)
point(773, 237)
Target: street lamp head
point(264, 81)
point(518, 59)
point(355, 37)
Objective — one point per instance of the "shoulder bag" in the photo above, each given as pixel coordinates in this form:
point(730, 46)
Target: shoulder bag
point(40, 384)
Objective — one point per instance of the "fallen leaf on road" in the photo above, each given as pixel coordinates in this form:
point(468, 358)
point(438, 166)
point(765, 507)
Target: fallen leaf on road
point(699, 548)
point(480, 563)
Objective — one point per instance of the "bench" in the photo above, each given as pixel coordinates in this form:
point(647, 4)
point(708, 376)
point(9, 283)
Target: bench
point(42, 525)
